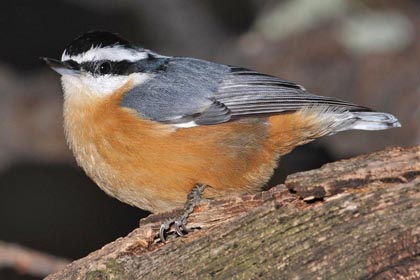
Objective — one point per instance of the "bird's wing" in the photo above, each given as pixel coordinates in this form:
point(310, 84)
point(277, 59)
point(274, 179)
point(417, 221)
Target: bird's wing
point(194, 92)
point(246, 92)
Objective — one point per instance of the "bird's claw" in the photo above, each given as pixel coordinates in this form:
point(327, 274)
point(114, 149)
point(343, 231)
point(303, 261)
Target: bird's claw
point(193, 198)
point(163, 227)
point(179, 226)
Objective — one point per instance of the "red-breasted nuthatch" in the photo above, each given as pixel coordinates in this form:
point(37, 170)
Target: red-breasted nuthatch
point(147, 128)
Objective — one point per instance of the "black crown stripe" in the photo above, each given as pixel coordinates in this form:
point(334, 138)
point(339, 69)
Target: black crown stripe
point(94, 39)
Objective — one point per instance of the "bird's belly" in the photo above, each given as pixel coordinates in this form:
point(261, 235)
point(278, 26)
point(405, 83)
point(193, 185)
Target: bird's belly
point(154, 166)
point(156, 173)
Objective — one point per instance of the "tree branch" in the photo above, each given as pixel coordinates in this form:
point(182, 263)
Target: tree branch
point(356, 218)
point(29, 261)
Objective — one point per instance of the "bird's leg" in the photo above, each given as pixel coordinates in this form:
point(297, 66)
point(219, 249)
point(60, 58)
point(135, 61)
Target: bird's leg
point(193, 198)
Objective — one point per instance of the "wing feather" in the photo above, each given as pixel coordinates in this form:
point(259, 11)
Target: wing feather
point(246, 92)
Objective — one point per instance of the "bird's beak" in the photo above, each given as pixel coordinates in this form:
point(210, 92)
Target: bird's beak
point(62, 67)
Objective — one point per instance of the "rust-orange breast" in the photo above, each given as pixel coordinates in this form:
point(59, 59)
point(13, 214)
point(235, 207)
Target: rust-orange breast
point(153, 166)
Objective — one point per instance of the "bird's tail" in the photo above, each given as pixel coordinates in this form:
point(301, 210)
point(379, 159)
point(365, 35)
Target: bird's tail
point(331, 120)
point(372, 121)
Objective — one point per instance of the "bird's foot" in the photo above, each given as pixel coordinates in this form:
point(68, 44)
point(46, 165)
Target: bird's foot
point(193, 198)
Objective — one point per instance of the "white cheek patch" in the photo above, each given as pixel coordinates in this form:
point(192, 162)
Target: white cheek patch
point(108, 84)
point(71, 85)
point(111, 53)
point(102, 85)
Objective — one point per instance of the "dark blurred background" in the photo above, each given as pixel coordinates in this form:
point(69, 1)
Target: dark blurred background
point(364, 51)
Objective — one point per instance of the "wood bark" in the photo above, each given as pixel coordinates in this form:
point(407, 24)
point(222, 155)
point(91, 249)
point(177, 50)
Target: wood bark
point(353, 219)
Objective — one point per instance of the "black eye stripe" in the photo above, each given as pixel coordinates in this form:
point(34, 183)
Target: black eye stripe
point(73, 64)
point(116, 68)
point(125, 67)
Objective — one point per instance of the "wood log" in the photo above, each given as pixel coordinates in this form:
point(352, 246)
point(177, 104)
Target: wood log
point(352, 219)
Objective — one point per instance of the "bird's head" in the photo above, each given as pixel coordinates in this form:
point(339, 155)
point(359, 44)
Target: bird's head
point(100, 62)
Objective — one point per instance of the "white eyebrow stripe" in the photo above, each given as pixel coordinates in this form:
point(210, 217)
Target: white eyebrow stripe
point(112, 53)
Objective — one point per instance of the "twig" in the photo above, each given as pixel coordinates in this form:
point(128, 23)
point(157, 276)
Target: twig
point(29, 261)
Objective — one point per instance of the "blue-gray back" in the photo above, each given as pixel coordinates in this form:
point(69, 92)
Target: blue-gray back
point(209, 93)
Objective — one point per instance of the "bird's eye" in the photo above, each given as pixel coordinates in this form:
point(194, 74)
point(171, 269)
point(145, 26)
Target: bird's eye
point(104, 68)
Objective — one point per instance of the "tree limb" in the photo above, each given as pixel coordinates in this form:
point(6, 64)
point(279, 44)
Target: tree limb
point(352, 219)
point(29, 261)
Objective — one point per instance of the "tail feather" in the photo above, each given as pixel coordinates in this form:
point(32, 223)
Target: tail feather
point(331, 120)
point(374, 121)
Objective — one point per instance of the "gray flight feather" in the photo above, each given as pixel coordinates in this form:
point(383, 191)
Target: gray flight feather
point(210, 93)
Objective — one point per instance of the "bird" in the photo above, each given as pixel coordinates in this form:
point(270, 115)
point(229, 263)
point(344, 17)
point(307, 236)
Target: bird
point(162, 132)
